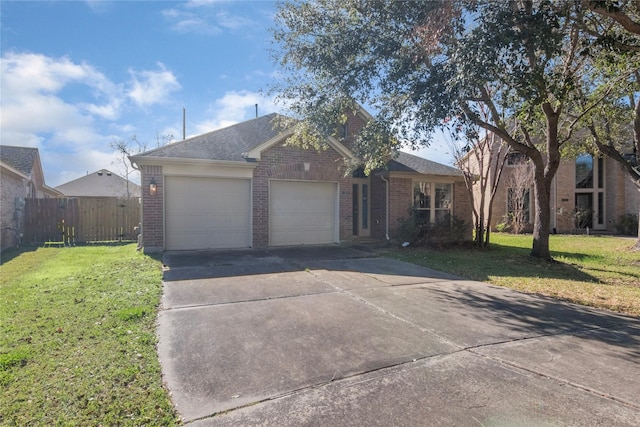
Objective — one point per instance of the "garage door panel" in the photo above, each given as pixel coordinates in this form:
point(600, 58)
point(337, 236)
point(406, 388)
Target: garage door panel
point(302, 212)
point(207, 213)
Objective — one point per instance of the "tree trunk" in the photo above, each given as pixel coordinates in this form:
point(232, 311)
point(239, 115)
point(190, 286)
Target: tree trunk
point(543, 177)
point(542, 220)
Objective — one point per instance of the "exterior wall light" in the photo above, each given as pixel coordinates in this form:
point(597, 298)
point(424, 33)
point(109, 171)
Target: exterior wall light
point(153, 187)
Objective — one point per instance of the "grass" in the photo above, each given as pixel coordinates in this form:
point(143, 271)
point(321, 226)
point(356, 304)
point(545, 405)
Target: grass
point(77, 341)
point(597, 271)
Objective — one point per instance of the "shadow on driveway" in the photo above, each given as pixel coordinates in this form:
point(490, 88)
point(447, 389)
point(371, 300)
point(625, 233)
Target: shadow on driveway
point(250, 336)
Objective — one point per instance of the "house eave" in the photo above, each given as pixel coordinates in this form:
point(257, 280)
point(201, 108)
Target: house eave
point(160, 161)
point(416, 174)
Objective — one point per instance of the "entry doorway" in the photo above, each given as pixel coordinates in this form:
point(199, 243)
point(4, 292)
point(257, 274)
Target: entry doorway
point(584, 210)
point(361, 207)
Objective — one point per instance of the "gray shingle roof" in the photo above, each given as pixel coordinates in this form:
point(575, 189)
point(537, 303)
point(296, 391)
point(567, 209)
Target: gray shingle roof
point(223, 144)
point(102, 183)
point(229, 143)
point(409, 163)
point(20, 158)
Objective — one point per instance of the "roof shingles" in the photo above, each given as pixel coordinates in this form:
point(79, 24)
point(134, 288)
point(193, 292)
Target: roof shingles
point(223, 144)
point(229, 144)
point(20, 158)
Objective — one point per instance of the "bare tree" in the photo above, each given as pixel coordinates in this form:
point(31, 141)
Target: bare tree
point(134, 146)
point(481, 161)
point(519, 194)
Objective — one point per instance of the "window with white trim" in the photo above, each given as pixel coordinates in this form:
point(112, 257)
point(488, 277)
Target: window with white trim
point(432, 201)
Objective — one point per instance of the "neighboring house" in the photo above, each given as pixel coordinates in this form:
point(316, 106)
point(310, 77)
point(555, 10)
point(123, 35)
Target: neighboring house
point(242, 187)
point(102, 183)
point(587, 191)
point(21, 178)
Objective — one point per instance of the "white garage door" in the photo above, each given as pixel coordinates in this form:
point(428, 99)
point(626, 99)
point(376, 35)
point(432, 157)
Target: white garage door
point(302, 213)
point(207, 213)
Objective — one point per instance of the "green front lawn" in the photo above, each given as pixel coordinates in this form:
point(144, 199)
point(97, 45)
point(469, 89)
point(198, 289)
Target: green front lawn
point(77, 341)
point(598, 271)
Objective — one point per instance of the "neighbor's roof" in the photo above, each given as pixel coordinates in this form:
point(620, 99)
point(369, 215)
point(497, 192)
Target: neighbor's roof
point(102, 183)
point(20, 158)
point(405, 162)
point(223, 144)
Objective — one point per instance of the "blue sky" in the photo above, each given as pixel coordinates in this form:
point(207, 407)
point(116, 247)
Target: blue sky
point(78, 75)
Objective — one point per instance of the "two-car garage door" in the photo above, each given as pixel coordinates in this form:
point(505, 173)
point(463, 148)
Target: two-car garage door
point(302, 212)
point(207, 213)
point(215, 213)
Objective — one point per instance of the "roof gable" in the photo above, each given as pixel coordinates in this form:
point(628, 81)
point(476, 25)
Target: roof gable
point(102, 183)
point(20, 158)
point(237, 143)
point(227, 144)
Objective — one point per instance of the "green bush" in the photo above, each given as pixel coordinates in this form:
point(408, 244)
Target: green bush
point(627, 224)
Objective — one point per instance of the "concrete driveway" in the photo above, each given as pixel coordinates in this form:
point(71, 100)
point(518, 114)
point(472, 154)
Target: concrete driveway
point(337, 336)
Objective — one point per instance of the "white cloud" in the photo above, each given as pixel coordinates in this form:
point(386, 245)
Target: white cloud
point(152, 87)
point(205, 18)
point(69, 110)
point(184, 22)
point(235, 107)
point(31, 104)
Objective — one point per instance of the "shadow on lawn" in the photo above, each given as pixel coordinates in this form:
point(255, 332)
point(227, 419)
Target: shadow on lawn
point(503, 261)
point(12, 253)
point(533, 315)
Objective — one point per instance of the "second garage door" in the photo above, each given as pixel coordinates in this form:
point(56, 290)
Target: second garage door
point(207, 213)
point(302, 213)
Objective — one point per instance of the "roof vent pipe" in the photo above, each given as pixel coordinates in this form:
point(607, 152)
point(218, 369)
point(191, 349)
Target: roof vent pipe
point(256, 111)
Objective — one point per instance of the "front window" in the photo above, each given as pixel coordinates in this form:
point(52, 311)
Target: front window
point(584, 171)
point(516, 158)
point(432, 201)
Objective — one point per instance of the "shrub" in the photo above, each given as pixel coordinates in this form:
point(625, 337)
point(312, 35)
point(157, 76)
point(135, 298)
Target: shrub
point(627, 224)
point(446, 231)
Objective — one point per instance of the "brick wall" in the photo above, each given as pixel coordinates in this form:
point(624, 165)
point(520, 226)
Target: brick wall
point(565, 201)
point(400, 200)
point(462, 208)
point(10, 188)
point(152, 210)
point(281, 162)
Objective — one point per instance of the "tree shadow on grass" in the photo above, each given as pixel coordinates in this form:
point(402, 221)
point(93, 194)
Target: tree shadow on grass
point(517, 262)
point(538, 315)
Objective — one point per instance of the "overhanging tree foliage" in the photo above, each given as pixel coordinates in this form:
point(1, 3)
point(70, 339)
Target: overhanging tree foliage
point(614, 27)
point(424, 65)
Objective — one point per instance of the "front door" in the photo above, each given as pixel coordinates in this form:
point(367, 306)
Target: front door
point(361, 208)
point(584, 210)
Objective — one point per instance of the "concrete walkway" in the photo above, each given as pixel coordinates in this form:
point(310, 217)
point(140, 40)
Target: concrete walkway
point(336, 336)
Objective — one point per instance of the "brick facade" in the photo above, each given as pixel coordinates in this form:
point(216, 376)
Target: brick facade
point(281, 162)
point(11, 187)
point(620, 196)
point(152, 209)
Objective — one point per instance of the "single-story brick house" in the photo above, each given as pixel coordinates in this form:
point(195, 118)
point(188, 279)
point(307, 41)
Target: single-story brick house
point(243, 187)
point(21, 177)
point(102, 183)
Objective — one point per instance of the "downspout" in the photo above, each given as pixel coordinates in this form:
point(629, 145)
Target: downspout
point(386, 207)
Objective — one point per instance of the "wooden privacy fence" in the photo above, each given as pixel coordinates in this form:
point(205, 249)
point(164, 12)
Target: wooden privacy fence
point(80, 220)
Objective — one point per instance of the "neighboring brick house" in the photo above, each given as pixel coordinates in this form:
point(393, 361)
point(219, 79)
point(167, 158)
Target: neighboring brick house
point(21, 178)
point(587, 191)
point(242, 187)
